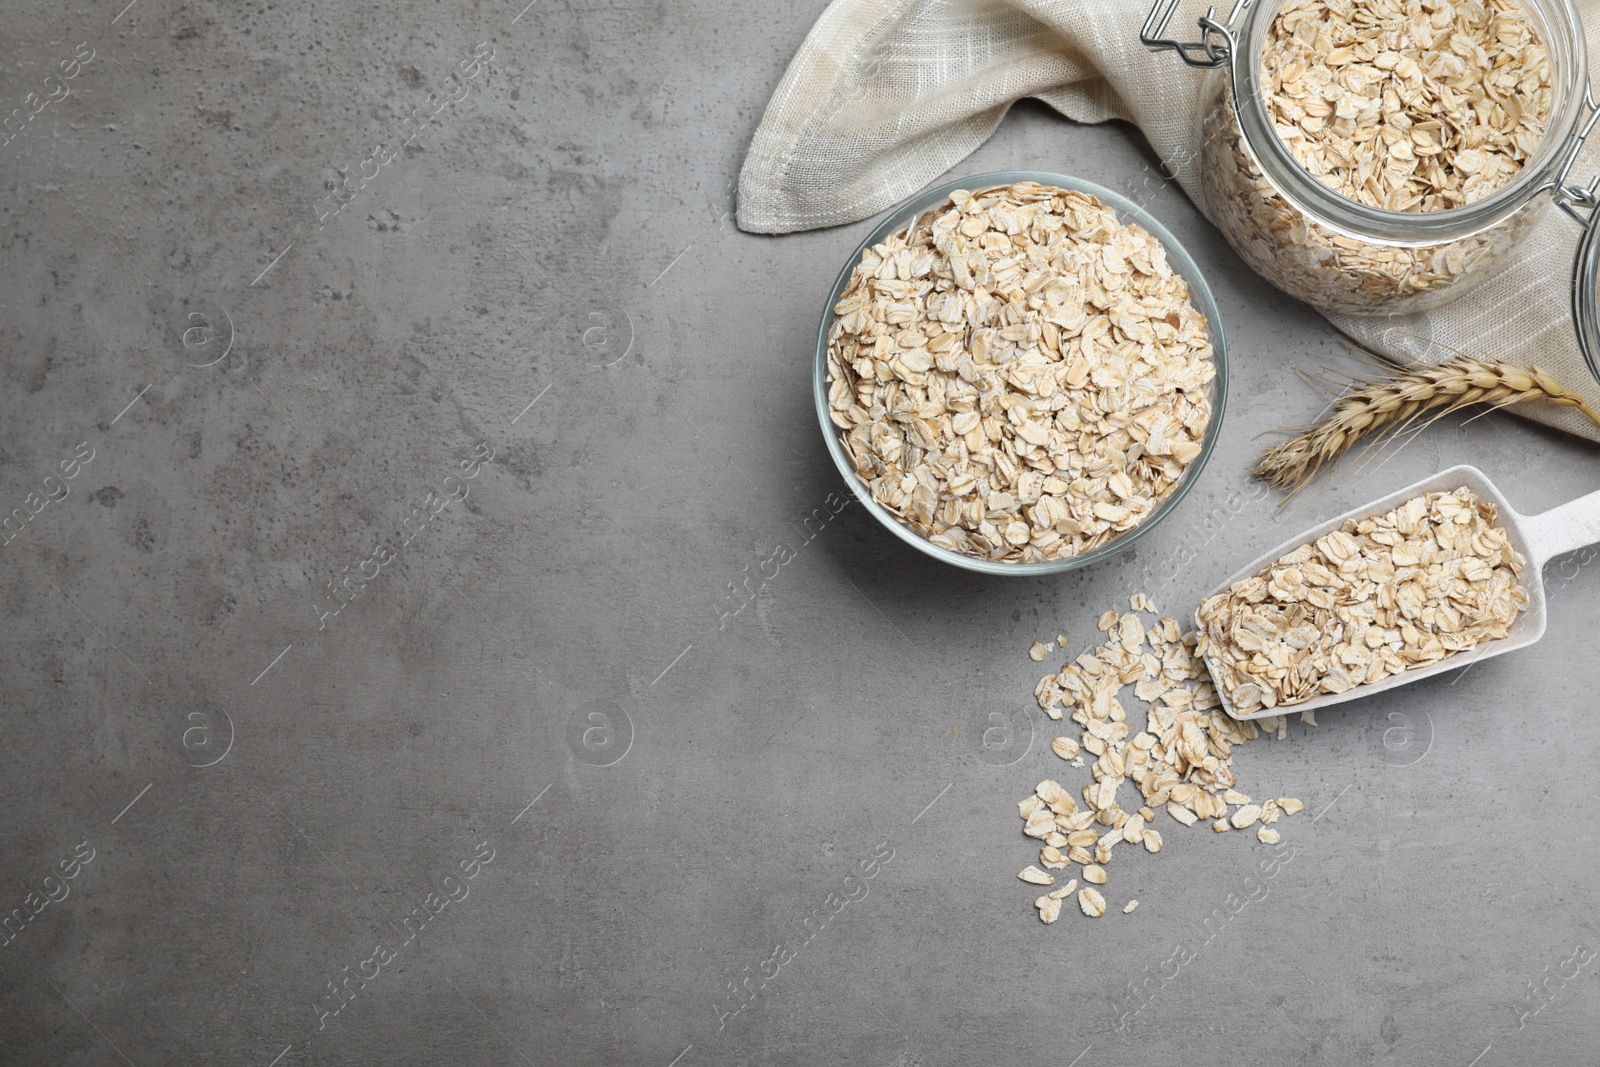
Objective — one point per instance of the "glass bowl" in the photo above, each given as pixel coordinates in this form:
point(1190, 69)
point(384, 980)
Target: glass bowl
point(1127, 211)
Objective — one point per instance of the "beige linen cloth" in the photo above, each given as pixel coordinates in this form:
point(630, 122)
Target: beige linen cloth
point(886, 95)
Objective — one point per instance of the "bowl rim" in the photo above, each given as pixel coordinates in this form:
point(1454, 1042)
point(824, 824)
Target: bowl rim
point(1127, 211)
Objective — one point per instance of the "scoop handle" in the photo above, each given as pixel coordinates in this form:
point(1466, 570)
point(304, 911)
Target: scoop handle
point(1564, 529)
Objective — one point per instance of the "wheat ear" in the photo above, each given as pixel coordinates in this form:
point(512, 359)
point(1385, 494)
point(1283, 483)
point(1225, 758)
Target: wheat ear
point(1389, 405)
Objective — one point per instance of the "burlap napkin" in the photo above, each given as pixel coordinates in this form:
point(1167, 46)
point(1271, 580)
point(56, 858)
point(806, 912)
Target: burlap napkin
point(886, 95)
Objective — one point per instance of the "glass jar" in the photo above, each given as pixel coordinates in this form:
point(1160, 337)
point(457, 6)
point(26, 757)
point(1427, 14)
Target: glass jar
point(1343, 256)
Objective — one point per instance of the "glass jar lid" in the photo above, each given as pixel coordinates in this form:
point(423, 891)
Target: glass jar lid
point(1586, 283)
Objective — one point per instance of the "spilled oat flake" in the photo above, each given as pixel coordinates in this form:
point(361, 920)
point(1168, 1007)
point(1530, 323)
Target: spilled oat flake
point(1178, 761)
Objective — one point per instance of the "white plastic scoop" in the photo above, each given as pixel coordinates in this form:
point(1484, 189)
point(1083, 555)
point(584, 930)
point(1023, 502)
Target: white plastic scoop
point(1537, 537)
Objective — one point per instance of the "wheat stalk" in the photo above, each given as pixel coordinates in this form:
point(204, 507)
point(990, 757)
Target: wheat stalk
point(1386, 407)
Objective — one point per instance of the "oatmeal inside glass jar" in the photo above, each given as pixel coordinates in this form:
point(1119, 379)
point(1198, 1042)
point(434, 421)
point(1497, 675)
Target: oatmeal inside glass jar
point(1378, 157)
point(1407, 105)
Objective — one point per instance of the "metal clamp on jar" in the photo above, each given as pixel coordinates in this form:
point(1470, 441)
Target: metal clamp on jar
point(1341, 255)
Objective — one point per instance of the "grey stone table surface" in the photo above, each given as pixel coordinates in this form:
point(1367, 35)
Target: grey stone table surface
point(374, 674)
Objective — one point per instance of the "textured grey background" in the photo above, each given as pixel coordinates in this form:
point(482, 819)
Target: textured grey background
point(270, 793)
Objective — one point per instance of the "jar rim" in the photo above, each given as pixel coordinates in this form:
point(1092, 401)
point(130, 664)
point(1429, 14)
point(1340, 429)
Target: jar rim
point(1561, 32)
